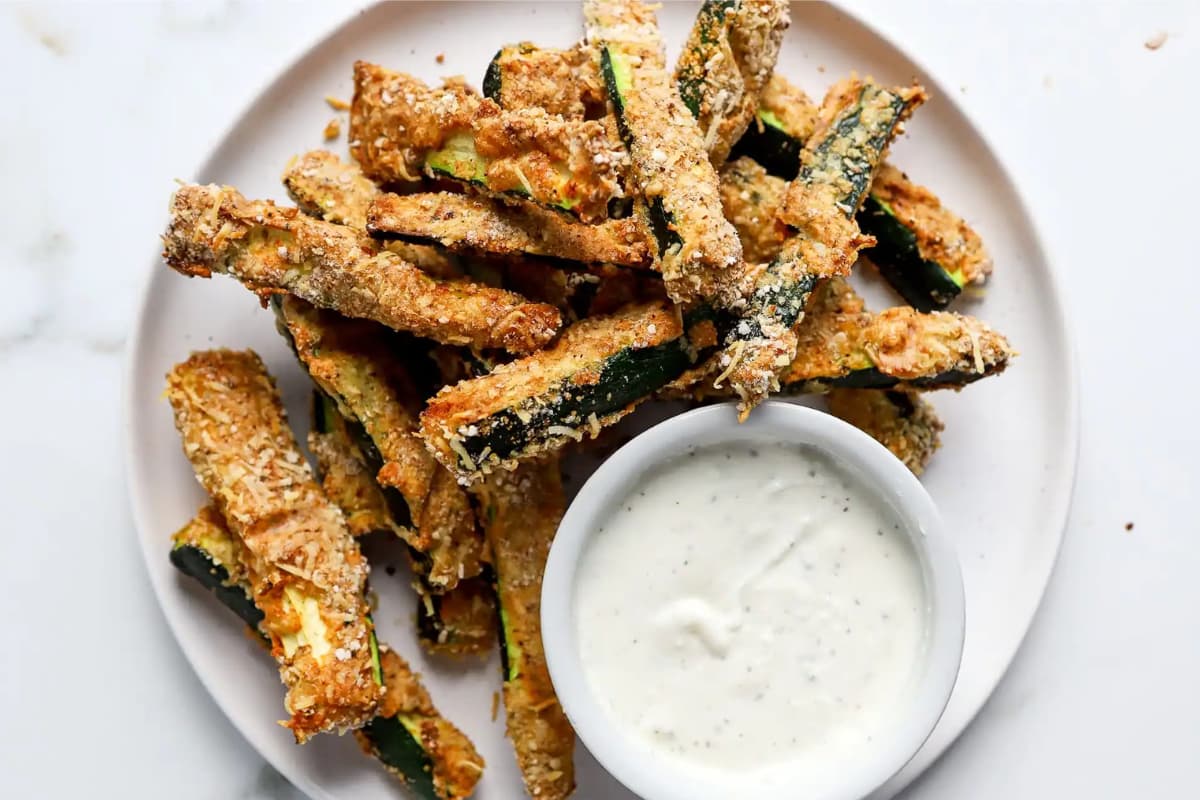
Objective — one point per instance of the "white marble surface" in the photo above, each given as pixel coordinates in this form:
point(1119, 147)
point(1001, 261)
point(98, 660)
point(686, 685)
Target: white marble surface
point(104, 105)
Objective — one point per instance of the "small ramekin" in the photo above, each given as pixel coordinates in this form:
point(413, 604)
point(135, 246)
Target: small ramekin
point(637, 764)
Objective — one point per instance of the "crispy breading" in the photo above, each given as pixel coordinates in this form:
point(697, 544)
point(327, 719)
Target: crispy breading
point(459, 621)
point(476, 224)
point(791, 106)
point(354, 365)
point(942, 236)
point(563, 82)
point(521, 511)
point(903, 422)
point(345, 477)
point(323, 185)
point(751, 200)
point(725, 64)
point(309, 575)
point(456, 765)
point(398, 123)
point(460, 418)
point(699, 250)
point(858, 120)
point(273, 249)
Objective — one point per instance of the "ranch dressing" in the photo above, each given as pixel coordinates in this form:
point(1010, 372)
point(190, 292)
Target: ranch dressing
point(750, 605)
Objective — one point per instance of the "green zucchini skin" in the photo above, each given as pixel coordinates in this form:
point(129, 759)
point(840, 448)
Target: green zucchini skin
point(492, 77)
point(198, 564)
point(872, 378)
point(625, 377)
point(710, 21)
point(393, 744)
point(776, 150)
point(787, 283)
point(923, 284)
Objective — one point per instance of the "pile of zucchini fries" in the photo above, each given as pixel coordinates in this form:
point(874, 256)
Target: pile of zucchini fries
point(495, 277)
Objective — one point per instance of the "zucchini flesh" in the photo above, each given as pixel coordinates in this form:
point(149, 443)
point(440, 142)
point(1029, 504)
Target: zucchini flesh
point(599, 370)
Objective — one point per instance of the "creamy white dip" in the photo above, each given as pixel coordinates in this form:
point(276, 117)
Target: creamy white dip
point(748, 605)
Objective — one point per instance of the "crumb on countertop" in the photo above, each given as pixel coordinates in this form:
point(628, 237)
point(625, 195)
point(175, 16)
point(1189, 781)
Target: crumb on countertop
point(1156, 41)
point(337, 104)
point(1128, 526)
point(333, 129)
point(495, 705)
point(440, 58)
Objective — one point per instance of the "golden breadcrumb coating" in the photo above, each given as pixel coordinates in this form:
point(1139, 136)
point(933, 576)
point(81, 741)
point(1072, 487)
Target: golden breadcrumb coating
point(563, 82)
point(903, 422)
point(522, 510)
point(273, 249)
point(725, 65)
point(309, 576)
point(352, 363)
point(477, 224)
point(751, 200)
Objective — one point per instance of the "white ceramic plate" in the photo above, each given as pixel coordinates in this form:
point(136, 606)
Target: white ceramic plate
point(1002, 479)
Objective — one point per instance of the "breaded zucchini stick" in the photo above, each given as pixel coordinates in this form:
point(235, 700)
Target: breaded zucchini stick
point(273, 249)
point(309, 575)
point(206, 551)
point(480, 225)
point(563, 82)
point(751, 199)
point(522, 510)
point(859, 118)
point(324, 186)
point(342, 469)
point(725, 65)
point(701, 258)
point(401, 128)
point(407, 734)
point(458, 621)
point(902, 421)
point(923, 249)
point(595, 374)
point(351, 362)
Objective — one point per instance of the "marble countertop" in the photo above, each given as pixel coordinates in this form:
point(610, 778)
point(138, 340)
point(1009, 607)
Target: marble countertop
point(105, 104)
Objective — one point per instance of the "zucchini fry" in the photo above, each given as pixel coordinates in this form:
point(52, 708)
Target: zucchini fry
point(923, 249)
point(355, 366)
point(785, 120)
point(324, 186)
point(701, 258)
point(751, 198)
point(207, 552)
point(725, 65)
point(471, 224)
point(522, 510)
point(458, 621)
point(841, 345)
point(309, 574)
point(563, 82)
point(401, 128)
point(902, 421)
point(342, 469)
point(859, 118)
point(595, 374)
point(273, 249)
point(407, 734)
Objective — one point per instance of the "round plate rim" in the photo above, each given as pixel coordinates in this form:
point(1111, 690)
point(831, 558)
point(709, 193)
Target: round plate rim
point(1062, 502)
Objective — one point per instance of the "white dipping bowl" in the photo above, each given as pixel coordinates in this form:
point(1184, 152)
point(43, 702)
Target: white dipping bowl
point(635, 762)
